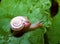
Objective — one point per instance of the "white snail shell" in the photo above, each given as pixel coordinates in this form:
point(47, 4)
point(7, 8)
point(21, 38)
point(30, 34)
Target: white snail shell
point(17, 23)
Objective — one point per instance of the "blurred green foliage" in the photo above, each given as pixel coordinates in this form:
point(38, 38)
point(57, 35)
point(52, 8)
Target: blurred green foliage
point(35, 10)
point(58, 2)
point(54, 31)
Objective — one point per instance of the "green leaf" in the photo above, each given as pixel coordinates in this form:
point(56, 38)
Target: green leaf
point(35, 10)
point(54, 31)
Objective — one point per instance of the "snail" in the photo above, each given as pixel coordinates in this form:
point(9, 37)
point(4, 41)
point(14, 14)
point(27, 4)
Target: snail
point(21, 24)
